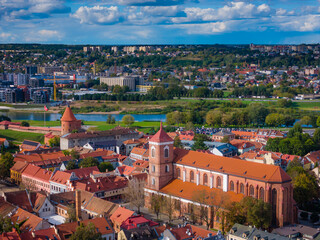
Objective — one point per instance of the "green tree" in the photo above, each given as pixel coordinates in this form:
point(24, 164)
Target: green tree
point(105, 166)
point(71, 165)
point(157, 204)
point(296, 129)
point(24, 124)
point(260, 214)
point(128, 120)
point(225, 139)
point(199, 145)
point(275, 120)
point(88, 232)
point(306, 120)
point(305, 188)
point(74, 154)
point(316, 136)
point(54, 142)
point(71, 212)
point(214, 118)
point(318, 121)
point(177, 142)
point(89, 162)
point(189, 126)
point(6, 162)
point(6, 224)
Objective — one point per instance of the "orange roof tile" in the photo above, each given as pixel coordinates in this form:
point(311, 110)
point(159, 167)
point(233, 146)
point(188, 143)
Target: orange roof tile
point(231, 166)
point(187, 190)
point(32, 220)
point(120, 215)
point(19, 166)
point(161, 136)
point(68, 115)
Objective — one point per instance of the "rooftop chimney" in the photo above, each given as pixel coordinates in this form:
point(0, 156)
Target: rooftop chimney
point(78, 205)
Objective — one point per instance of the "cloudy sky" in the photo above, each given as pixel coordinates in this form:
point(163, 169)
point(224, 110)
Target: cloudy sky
point(159, 21)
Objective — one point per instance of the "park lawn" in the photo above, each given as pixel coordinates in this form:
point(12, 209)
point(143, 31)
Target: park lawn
point(41, 123)
point(20, 136)
point(311, 106)
point(142, 126)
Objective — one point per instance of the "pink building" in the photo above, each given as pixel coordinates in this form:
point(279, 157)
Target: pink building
point(36, 178)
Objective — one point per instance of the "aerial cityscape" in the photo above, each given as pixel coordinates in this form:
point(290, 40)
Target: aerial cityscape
point(160, 120)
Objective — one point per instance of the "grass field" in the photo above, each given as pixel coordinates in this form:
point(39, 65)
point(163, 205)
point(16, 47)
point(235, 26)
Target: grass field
point(20, 136)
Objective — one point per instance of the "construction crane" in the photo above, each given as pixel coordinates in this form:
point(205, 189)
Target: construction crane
point(55, 85)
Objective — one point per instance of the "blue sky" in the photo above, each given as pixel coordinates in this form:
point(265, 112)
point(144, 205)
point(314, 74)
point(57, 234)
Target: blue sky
point(160, 21)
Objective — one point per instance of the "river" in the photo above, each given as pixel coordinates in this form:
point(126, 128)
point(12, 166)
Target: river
point(85, 117)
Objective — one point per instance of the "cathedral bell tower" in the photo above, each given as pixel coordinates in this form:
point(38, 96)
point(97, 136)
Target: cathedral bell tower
point(160, 160)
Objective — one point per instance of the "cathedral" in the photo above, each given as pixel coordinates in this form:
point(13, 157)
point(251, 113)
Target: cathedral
point(180, 174)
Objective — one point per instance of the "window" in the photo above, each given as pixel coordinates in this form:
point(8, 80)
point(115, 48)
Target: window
point(261, 194)
point(153, 181)
point(218, 182)
point(166, 152)
point(152, 152)
point(205, 179)
point(178, 172)
point(231, 186)
point(251, 191)
point(153, 168)
point(191, 176)
point(241, 188)
point(167, 168)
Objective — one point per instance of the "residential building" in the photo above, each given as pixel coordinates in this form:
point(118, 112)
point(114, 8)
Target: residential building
point(16, 170)
point(298, 231)
point(35, 178)
point(217, 137)
point(120, 216)
point(100, 223)
point(30, 222)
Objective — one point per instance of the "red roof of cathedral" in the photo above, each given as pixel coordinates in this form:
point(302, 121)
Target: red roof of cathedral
point(68, 115)
point(161, 136)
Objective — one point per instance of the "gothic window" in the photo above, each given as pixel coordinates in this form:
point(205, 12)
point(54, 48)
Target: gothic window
point(153, 168)
point(231, 186)
point(153, 181)
point(166, 152)
point(205, 179)
point(261, 194)
point(218, 182)
point(167, 168)
point(191, 176)
point(251, 191)
point(241, 188)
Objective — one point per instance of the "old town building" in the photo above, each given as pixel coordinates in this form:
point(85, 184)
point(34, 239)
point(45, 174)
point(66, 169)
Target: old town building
point(180, 174)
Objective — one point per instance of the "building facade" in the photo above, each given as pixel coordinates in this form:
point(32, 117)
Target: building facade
point(179, 174)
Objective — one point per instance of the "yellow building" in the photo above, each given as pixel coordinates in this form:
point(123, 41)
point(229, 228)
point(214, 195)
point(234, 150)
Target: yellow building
point(16, 170)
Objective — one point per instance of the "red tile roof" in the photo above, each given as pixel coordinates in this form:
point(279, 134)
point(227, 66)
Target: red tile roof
point(101, 225)
point(68, 115)
point(134, 222)
point(84, 173)
point(19, 166)
point(32, 220)
point(10, 235)
point(121, 215)
point(161, 136)
point(233, 166)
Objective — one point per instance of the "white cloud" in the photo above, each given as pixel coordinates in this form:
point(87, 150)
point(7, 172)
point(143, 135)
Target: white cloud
point(307, 23)
point(235, 10)
point(29, 9)
point(98, 15)
point(167, 11)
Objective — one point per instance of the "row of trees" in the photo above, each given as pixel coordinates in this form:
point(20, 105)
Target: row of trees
point(297, 142)
point(248, 211)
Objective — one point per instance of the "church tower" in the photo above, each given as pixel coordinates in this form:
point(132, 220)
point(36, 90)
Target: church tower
point(160, 160)
point(69, 122)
